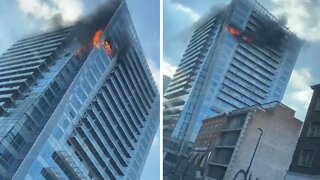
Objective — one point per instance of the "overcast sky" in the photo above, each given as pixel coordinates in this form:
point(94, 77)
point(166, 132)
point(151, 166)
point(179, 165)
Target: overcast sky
point(22, 17)
point(303, 19)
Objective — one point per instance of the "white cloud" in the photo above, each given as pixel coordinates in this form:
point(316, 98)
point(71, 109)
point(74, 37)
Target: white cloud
point(70, 10)
point(36, 8)
point(303, 17)
point(186, 10)
point(298, 94)
point(155, 71)
point(168, 69)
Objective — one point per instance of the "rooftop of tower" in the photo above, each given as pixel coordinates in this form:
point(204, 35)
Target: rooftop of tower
point(254, 4)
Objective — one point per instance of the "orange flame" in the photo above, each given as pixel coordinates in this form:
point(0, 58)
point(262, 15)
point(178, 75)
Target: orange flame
point(96, 38)
point(97, 42)
point(233, 31)
point(108, 48)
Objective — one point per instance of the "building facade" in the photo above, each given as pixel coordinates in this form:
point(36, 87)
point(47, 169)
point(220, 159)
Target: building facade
point(192, 166)
point(305, 163)
point(73, 110)
point(256, 141)
point(237, 57)
point(166, 81)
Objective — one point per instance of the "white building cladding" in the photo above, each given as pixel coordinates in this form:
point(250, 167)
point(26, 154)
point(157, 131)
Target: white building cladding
point(237, 57)
point(77, 113)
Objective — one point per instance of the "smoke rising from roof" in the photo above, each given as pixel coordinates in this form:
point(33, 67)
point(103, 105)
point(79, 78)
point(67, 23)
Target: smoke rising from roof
point(269, 34)
point(97, 20)
point(53, 14)
point(303, 17)
point(100, 17)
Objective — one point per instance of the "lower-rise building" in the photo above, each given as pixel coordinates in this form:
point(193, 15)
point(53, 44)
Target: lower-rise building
point(255, 142)
point(305, 163)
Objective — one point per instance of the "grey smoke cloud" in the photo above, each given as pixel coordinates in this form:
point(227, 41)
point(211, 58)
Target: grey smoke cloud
point(68, 11)
point(55, 13)
point(87, 16)
point(96, 20)
point(303, 17)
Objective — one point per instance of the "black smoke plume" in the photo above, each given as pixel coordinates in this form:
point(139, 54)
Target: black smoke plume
point(86, 27)
point(270, 33)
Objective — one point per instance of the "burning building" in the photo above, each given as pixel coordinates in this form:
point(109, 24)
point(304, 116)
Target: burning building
point(78, 102)
point(237, 57)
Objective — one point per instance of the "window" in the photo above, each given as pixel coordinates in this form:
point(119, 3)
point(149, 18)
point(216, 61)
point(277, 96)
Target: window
point(43, 104)
point(91, 78)
point(36, 114)
point(30, 125)
point(79, 157)
point(242, 7)
point(306, 158)
point(135, 166)
point(80, 93)
point(66, 71)
point(317, 105)
point(96, 71)
point(18, 142)
point(61, 80)
point(75, 103)
point(237, 17)
point(283, 79)
point(90, 175)
point(50, 95)
point(56, 88)
point(61, 161)
point(100, 64)
point(57, 133)
point(86, 86)
point(47, 173)
point(72, 113)
point(7, 157)
point(314, 129)
point(65, 123)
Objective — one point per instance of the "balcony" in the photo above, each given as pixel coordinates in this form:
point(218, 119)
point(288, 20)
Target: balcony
point(68, 165)
point(7, 100)
point(175, 93)
point(173, 110)
point(174, 102)
point(221, 157)
point(2, 108)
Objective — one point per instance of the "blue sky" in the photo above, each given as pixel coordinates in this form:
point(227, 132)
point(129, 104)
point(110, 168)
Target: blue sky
point(146, 18)
point(303, 19)
point(22, 17)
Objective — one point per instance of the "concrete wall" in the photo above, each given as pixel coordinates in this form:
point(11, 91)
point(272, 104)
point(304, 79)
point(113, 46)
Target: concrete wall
point(274, 153)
